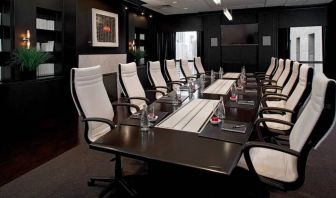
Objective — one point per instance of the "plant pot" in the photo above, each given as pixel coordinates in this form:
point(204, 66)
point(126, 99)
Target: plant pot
point(28, 75)
point(24, 75)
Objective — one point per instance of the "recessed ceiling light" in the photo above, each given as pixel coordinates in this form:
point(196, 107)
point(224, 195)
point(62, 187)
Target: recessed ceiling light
point(185, 8)
point(174, 2)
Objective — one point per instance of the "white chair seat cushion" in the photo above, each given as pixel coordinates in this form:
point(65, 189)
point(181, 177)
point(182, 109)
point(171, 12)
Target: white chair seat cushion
point(272, 164)
point(280, 104)
point(273, 125)
point(99, 131)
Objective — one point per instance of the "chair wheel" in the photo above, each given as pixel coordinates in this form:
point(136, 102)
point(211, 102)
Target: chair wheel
point(91, 182)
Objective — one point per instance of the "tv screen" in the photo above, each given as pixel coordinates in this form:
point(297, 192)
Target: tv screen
point(239, 34)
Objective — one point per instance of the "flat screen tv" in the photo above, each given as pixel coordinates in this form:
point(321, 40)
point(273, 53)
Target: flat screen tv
point(239, 34)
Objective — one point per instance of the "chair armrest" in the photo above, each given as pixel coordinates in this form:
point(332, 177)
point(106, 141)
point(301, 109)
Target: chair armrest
point(268, 81)
point(157, 91)
point(275, 94)
point(103, 120)
point(262, 110)
point(264, 120)
point(138, 98)
point(127, 104)
point(162, 87)
point(181, 83)
point(271, 87)
point(270, 98)
point(253, 144)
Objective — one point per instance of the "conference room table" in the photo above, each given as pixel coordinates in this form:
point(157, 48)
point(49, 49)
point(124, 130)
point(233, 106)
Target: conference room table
point(210, 149)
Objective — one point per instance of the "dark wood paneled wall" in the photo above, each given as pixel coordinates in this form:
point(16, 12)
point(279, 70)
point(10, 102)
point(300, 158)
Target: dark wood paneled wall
point(254, 57)
point(84, 27)
point(330, 67)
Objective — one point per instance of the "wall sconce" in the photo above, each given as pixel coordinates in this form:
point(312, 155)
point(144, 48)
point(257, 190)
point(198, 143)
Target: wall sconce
point(27, 39)
point(131, 45)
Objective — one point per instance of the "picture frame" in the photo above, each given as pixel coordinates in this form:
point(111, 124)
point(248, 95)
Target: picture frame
point(105, 32)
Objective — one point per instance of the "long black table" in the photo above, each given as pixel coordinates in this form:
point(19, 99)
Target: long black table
point(188, 149)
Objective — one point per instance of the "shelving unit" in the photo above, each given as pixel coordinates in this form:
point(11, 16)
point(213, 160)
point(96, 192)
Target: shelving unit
point(5, 38)
point(49, 38)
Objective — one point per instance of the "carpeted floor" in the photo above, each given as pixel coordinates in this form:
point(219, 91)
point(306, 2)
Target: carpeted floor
point(66, 176)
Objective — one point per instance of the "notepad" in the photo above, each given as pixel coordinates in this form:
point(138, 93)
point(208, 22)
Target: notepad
point(234, 127)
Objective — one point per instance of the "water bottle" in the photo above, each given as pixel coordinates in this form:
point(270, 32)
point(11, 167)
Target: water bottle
point(144, 123)
point(220, 72)
point(221, 109)
point(243, 75)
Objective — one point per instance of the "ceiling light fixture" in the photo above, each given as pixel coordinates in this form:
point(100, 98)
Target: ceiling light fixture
point(174, 2)
point(227, 14)
point(217, 2)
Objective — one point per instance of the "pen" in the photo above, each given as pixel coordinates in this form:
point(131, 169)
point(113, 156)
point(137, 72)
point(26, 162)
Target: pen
point(238, 126)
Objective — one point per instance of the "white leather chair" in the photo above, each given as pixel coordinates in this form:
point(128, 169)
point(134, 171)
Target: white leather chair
point(172, 74)
point(287, 108)
point(185, 69)
point(131, 86)
point(156, 78)
point(270, 70)
point(199, 66)
point(291, 83)
point(95, 110)
point(273, 79)
point(284, 77)
point(282, 166)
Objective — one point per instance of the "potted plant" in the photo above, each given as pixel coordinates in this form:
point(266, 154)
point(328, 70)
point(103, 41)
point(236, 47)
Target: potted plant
point(26, 60)
point(138, 54)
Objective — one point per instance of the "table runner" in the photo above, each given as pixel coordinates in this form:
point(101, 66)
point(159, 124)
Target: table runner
point(220, 86)
point(191, 117)
point(231, 75)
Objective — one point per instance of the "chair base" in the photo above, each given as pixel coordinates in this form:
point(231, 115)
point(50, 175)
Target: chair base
point(115, 184)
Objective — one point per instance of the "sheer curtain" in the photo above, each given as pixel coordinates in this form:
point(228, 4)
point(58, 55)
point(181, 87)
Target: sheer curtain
point(186, 48)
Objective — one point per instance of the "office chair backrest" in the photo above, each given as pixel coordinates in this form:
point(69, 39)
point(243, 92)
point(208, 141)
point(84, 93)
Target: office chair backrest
point(315, 123)
point(301, 91)
point(185, 68)
point(285, 74)
point(131, 85)
point(318, 117)
point(170, 70)
point(155, 76)
point(289, 87)
point(198, 65)
point(279, 70)
point(91, 99)
point(272, 67)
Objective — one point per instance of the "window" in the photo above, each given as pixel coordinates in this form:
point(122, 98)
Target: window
point(311, 47)
point(297, 48)
point(306, 46)
point(186, 48)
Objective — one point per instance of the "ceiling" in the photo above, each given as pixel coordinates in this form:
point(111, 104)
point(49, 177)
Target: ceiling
point(168, 7)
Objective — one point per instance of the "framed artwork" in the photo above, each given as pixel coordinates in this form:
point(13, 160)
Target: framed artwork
point(104, 29)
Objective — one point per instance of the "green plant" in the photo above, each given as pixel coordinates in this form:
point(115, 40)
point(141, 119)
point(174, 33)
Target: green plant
point(28, 59)
point(138, 54)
